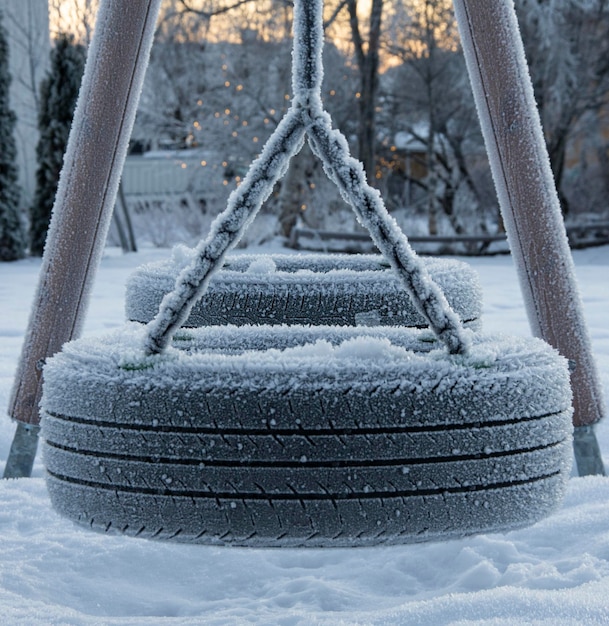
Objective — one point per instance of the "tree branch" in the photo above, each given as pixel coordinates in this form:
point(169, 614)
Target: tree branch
point(209, 14)
point(335, 14)
point(358, 42)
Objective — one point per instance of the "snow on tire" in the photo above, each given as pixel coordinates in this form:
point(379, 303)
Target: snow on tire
point(352, 290)
point(344, 437)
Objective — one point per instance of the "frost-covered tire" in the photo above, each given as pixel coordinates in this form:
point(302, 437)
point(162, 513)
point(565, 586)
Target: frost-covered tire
point(346, 442)
point(324, 289)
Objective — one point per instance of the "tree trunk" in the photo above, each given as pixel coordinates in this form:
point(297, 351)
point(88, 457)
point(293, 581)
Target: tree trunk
point(368, 65)
point(293, 191)
point(131, 244)
point(557, 150)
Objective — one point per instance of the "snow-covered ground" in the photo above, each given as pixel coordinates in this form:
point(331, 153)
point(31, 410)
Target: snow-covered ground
point(52, 572)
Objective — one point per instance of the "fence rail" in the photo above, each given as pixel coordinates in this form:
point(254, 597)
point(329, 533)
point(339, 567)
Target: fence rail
point(312, 239)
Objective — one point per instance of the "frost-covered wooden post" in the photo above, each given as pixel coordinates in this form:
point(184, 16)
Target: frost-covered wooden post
point(95, 156)
point(529, 203)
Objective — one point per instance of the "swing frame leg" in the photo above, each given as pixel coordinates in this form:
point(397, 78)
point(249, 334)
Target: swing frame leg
point(587, 452)
point(88, 185)
point(23, 451)
point(511, 127)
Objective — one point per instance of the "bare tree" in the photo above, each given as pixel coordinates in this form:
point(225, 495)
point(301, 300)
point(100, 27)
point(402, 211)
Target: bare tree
point(429, 99)
point(76, 17)
point(367, 56)
point(272, 19)
point(27, 25)
point(567, 48)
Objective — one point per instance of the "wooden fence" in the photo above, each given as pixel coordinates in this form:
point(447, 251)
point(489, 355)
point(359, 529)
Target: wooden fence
point(334, 241)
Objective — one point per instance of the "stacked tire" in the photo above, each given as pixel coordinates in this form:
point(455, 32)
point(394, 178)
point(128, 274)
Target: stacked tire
point(305, 436)
point(303, 289)
point(306, 403)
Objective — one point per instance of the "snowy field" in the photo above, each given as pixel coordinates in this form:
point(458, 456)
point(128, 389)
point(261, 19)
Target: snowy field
point(52, 572)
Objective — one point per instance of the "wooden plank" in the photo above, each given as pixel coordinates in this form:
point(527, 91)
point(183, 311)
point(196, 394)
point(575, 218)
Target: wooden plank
point(527, 194)
point(573, 231)
point(88, 185)
point(326, 235)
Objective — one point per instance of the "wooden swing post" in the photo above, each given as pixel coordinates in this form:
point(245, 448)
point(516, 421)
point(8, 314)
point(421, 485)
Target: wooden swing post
point(529, 203)
point(95, 155)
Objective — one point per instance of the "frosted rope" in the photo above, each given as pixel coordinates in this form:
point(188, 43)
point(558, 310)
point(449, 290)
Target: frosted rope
point(306, 116)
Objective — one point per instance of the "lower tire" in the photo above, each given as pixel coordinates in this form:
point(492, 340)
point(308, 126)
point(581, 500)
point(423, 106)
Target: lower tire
point(345, 442)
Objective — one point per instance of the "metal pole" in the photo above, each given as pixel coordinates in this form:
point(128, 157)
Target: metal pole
point(529, 203)
point(86, 195)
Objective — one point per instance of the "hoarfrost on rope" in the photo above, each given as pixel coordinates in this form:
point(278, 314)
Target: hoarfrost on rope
point(306, 116)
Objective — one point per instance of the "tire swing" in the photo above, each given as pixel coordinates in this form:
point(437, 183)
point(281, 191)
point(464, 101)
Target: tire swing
point(305, 436)
point(318, 289)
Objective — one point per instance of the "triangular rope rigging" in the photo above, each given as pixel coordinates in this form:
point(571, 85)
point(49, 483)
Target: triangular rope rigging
point(306, 117)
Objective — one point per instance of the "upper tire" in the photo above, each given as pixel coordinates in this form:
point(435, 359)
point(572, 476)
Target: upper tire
point(317, 289)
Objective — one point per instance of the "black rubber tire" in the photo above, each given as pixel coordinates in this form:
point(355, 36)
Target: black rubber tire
point(320, 289)
point(315, 446)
